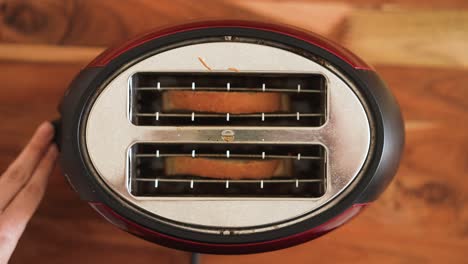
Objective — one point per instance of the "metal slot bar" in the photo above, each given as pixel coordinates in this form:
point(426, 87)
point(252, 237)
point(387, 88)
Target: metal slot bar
point(251, 156)
point(230, 180)
point(230, 89)
point(193, 115)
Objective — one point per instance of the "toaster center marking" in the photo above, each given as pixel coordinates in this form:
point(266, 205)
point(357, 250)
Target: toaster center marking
point(227, 135)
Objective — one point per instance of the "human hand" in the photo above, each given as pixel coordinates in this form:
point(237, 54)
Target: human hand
point(22, 186)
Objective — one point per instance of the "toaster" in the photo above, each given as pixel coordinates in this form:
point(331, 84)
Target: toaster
point(229, 137)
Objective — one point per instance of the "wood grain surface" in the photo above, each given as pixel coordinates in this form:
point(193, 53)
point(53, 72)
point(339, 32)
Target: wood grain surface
point(421, 218)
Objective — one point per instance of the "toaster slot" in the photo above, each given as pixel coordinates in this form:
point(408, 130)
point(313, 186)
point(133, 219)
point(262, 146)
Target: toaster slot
point(226, 170)
point(227, 99)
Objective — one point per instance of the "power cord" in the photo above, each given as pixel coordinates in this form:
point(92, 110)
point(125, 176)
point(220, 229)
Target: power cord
point(195, 258)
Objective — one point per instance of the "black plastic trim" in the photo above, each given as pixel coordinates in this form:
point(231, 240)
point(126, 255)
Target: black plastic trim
point(71, 158)
point(393, 136)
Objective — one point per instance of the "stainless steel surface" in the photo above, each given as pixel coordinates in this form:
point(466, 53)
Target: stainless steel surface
point(346, 137)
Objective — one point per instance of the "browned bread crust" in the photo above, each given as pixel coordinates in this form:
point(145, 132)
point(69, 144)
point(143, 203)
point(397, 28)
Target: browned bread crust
point(224, 102)
point(221, 102)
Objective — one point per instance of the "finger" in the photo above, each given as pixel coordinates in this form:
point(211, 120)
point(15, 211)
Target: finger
point(34, 150)
point(21, 169)
point(14, 218)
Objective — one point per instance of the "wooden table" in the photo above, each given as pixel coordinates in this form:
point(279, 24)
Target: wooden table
point(419, 48)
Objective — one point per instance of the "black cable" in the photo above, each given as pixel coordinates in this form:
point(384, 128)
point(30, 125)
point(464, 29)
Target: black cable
point(195, 259)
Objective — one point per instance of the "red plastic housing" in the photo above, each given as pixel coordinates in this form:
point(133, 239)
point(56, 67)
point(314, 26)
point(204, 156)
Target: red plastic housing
point(194, 246)
point(309, 37)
